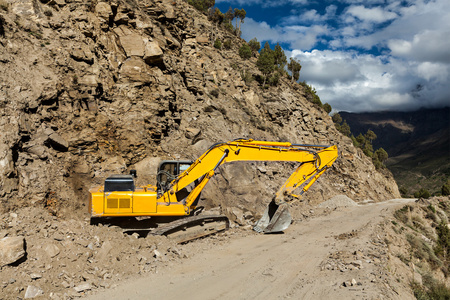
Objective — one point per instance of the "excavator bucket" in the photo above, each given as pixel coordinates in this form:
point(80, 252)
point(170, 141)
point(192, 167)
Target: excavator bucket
point(276, 218)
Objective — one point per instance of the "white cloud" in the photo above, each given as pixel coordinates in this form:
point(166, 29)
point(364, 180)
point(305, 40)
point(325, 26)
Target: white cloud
point(433, 71)
point(428, 45)
point(263, 3)
point(375, 14)
point(361, 82)
point(297, 36)
point(430, 18)
point(312, 15)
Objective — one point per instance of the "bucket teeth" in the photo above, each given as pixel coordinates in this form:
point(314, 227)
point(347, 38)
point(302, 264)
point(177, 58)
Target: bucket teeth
point(276, 218)
point(258, 229)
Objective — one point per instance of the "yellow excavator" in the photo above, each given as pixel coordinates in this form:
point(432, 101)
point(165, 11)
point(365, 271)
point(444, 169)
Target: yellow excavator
point(179, 183)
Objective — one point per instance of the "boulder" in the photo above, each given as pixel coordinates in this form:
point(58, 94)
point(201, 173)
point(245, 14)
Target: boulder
point(102, 254)
point(32, 292)
point(103, 11)
point(52, 250)
point(192, 133)
point(82, 287)
point(169, 12)
point(152, 53)
point(202, 39)
point(236, 215)
point(135, 70)
point(83, 53)
point(58, 142)
point(38, 150)
point(12, 249)
point(132, 44)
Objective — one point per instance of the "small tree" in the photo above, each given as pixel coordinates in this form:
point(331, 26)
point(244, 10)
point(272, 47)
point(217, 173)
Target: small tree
point(217, 44)
point(361, 140)
point(403, 191)
point(378, 164)
point(239, 14)
point(254, 45)
point(245, 52)
point(202, 5)
point(229, 15)
point(265, 62)
point(445, 190)
point(227, 44)
point(337, 119)
point(295, 67)
point(274, 79)
point(370, 135)
point(217, 17)
point(279, 57)
point(381, 155)
point(354, 141)
point(327, 107)
point(345, 129)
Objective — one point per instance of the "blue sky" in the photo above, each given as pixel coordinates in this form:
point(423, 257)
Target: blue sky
point(360, 55)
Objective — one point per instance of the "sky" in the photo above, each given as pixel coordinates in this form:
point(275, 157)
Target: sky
point(360, 56)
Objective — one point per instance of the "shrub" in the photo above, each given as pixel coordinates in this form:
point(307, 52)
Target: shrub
point(227, 44)
point(245, 52)
point(445, 190)
point(422, 193)
point(442, 248)
point(202, 5)
point(217, 44)
point(430, 290)
point(229, 27)
point(403, 191)
point(402, 214)
point(274, 79)
point(247, 77)
point(423, 251)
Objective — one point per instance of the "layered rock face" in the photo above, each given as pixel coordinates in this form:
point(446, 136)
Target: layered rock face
point(92, 88)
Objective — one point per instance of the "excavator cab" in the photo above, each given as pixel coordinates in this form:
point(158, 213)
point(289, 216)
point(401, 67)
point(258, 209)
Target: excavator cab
point(168, 170)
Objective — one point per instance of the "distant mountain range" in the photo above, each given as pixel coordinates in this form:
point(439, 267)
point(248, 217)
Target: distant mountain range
point(418, 144)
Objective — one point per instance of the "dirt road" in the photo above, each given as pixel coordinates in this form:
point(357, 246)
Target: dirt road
point(314, 259)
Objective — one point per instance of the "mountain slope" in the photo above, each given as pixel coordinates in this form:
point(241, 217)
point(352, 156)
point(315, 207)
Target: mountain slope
point(418, 144)
point(90, 89)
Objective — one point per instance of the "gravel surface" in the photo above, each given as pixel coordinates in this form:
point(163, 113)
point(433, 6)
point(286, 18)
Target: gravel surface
point(338, 201)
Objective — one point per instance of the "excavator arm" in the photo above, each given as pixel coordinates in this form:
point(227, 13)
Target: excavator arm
point(314, 161)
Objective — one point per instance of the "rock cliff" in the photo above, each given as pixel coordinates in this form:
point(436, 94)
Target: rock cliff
point(91, 88)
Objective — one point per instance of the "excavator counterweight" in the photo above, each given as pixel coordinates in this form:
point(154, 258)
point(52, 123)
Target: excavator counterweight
point(179, 183)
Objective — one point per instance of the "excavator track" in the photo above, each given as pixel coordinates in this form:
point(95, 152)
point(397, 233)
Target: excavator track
point(194, 227)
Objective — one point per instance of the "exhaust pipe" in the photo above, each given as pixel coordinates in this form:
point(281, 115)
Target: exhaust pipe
point(276, 218)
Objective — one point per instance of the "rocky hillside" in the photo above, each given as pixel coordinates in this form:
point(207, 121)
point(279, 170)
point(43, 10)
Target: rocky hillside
point(90, 88)
point(418, 144)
